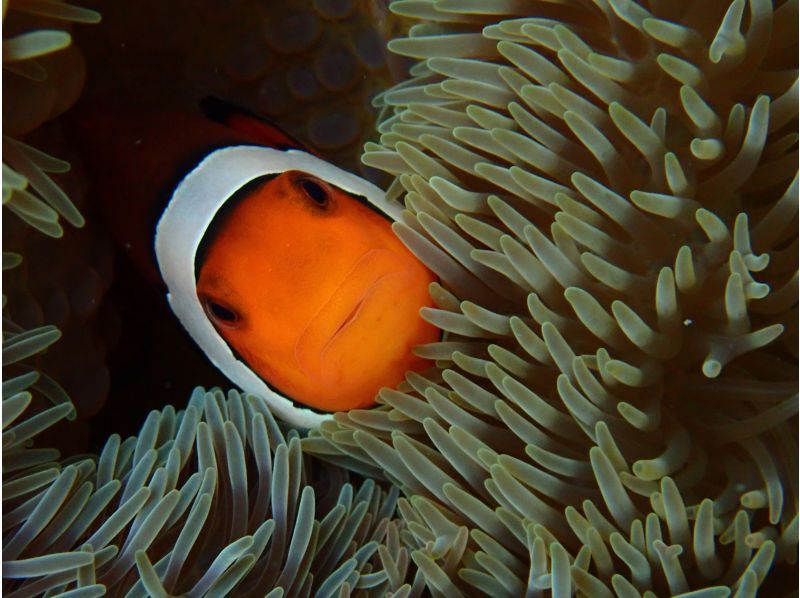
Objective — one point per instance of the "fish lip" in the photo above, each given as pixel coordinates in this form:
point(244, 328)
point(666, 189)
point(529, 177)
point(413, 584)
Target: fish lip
point(363, 261)
point(353, 315)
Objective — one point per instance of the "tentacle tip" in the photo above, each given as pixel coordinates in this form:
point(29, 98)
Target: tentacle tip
point(712, 368)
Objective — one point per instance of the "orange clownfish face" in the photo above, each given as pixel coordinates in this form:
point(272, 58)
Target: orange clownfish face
point(315, 293)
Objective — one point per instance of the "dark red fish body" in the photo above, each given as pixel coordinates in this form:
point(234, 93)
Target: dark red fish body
point(282, 267)
point(135, 158)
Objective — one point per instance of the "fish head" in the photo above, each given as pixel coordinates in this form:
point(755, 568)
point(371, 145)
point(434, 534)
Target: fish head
point(314, 292)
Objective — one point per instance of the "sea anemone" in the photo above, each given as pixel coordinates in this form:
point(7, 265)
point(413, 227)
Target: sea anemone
point(46, 75)
point(203, 500)
point(608, 193)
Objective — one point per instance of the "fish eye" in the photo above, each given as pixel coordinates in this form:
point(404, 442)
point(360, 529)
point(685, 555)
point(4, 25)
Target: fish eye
point(221, 314)
point(315, 191)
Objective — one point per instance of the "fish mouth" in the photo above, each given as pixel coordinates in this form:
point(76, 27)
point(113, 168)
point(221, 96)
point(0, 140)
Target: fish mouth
point(353, 315)
point(343, 308)
point(350, 317)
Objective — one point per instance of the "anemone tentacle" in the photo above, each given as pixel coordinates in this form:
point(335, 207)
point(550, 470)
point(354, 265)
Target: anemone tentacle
point(597, 184)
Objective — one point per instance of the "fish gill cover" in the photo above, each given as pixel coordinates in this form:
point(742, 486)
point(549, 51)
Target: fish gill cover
point(608, 192)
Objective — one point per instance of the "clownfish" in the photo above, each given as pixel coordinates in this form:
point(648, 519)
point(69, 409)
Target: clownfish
point(282, 267)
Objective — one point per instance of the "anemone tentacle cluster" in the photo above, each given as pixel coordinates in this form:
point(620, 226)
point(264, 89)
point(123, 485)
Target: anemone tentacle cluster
point(48, 292)
point(202, 501)
point(46, 74)
point(608, 193)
